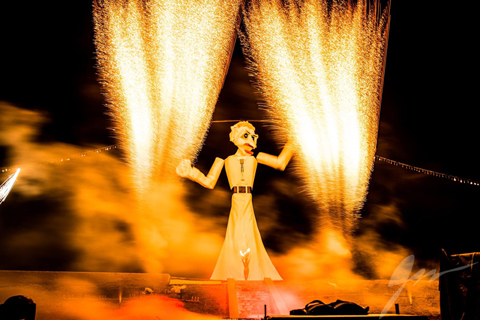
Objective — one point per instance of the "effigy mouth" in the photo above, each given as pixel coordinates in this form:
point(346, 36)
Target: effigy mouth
point(250, 152)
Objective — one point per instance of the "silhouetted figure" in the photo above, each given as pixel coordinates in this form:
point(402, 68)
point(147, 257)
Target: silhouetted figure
point(17, 308)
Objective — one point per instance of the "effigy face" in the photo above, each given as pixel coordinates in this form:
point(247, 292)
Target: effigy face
point(244, 137)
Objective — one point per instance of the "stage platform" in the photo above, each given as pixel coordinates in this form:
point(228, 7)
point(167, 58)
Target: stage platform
point(219, 299)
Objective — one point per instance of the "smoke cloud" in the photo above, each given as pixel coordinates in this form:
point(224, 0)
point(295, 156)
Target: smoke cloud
point(85, 209)
point(83, 215)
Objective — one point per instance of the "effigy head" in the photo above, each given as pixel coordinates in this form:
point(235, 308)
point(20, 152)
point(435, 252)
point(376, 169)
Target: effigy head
point(243, 136)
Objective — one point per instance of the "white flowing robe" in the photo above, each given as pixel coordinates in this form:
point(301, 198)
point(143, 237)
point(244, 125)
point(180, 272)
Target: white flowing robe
point(242, 230)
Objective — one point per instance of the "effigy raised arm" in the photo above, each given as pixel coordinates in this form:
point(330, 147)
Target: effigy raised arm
point(280, 162)
point(185, 170)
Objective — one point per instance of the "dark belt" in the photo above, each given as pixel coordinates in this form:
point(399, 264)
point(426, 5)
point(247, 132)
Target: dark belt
point(242, 189)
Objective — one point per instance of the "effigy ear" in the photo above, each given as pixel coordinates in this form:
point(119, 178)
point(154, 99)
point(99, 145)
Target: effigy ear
point(232, 132)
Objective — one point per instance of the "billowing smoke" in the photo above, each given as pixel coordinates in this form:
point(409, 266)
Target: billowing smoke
point(82, 215)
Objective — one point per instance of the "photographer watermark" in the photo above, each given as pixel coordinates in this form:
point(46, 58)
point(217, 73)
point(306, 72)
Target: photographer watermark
point(401, 276)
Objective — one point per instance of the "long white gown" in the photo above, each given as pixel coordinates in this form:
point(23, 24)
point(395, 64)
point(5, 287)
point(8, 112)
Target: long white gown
point(242, 231)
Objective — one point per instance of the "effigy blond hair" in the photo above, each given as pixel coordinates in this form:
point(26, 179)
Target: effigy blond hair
point(239, 125)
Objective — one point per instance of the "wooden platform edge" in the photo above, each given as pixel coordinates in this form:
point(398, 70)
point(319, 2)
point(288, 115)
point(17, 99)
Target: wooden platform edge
point(232, 298)
point(388, 316)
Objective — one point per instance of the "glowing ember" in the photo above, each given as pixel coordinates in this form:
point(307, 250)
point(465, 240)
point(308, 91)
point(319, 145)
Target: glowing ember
point(319, 66)
point(244, 253)
point(7, 185)
point(163, 64)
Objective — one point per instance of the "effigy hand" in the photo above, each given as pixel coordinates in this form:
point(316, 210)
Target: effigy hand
point(183, 169)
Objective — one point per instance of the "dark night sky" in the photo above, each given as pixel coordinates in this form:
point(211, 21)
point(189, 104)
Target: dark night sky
point(429, 112)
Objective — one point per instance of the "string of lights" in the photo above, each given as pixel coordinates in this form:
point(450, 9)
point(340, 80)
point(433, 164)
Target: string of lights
point(428, 172)
point(377, 157)
point(64, 159)
point(233, 121)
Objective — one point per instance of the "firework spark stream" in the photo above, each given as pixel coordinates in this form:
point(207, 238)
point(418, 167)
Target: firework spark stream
point(162, 63)
point(7, 185)
point(319, 66)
